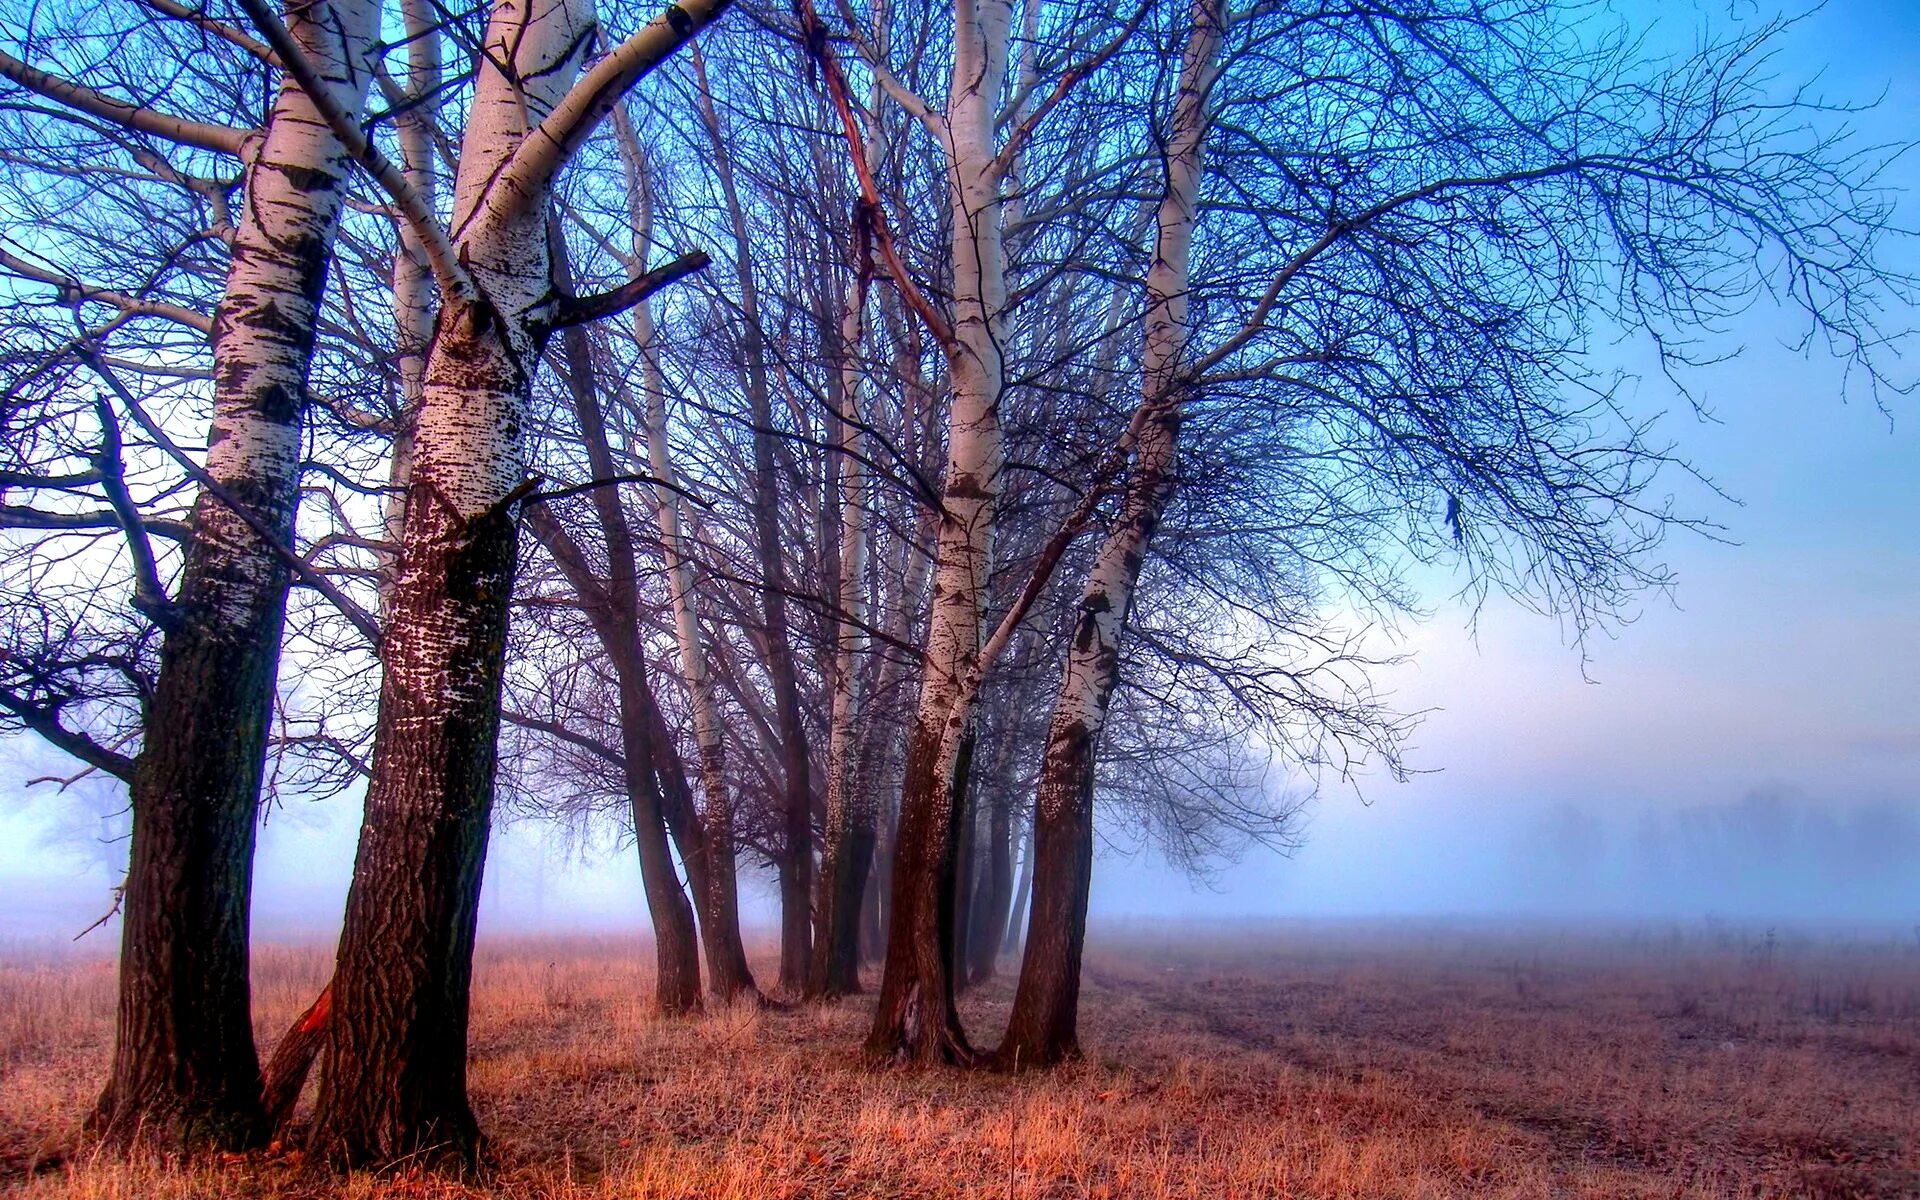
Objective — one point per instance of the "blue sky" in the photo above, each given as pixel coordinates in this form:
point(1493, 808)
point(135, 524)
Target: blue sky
point(1785, 665)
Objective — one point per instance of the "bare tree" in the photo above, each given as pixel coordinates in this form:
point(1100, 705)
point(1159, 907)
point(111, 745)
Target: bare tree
point(184, 1069)
point(1429, 278)
point(395, 1080)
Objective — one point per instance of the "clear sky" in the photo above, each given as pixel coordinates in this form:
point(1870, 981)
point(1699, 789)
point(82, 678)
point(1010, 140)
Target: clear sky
point(1749, 749)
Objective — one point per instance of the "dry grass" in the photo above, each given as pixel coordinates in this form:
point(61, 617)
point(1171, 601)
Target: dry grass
point(1299, 1062)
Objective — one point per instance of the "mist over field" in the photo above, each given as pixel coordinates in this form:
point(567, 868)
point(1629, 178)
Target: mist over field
point(1687, 782)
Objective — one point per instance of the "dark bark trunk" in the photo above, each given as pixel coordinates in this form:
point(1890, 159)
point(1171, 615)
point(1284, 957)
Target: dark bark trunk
point(795, 866)
point(676, 948)
point(185, 1073)
point(844, 868)
point(396, 1079)
point(707, 848)
point(1043, 1029)
point(965, 871)
point(875, 904)
point(966, 865)
point(614, 610)
point(916, 1018)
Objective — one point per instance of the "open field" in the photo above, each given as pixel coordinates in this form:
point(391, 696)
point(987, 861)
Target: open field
point(1313, 1061)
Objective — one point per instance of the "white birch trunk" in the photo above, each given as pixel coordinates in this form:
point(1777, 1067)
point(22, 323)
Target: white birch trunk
point(1042, 1028)
point(916, 1016)
point(184, 1066)
point(413, 297)
point(397, 1046)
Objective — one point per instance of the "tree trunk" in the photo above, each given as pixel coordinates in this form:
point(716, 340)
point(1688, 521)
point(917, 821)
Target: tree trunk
point(915, 1017)
point(874, 909)
point(185, 1073)
point(710, 865)
point(707, 848)
point(794, 862)
point(395, 1083)
point(1043, 1026)
point(1017, 915)
point(847, 856)
point(613, 607)
point(966, 866)
point(995, 892)
point(676, 948)
point(396, 1048)
point(292, 1059)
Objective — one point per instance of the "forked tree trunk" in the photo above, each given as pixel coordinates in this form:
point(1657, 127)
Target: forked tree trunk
point(705, 839)
point(395, 1083)
point(794, 862)
point(676, 947)
point(916, 1017)
point(185, 1073)
point(710, 865)
point(1043, 1028)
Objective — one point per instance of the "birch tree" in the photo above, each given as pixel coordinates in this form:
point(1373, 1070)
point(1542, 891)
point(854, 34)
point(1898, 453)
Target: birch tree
point(1063, 808)
point(184, 1068)
point(395, 1078)
point(713, 868)
point(1430, 279)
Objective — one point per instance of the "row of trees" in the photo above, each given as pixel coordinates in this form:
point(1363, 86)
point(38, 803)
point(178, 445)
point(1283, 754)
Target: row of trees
point(1019, 358)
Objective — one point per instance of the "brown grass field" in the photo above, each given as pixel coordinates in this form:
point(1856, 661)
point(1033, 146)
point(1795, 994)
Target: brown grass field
point(1286, 1061)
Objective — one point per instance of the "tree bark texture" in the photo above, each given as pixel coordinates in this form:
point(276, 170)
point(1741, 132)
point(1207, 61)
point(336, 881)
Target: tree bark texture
point(395, 1084)
point(185, 1073)
point(395, 1081)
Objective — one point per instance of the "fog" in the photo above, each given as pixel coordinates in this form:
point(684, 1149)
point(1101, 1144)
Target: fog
point(1745, 755)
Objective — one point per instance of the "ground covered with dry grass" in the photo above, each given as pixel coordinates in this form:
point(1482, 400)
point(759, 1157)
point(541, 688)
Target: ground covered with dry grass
point(1311, 1061)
